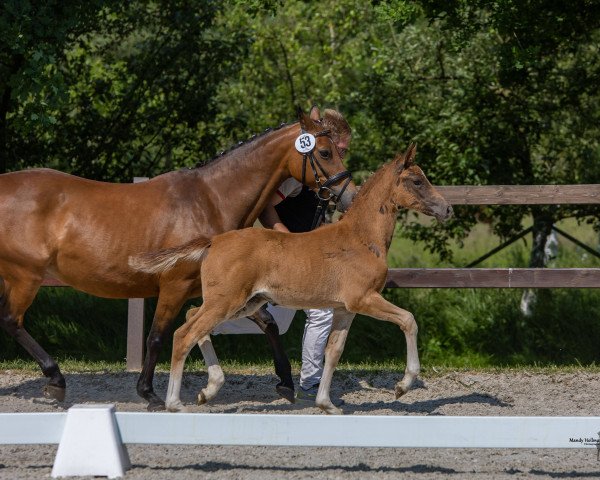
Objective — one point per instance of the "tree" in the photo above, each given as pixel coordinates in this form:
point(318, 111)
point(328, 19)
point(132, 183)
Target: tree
point(301, 53)
point(136, 89)
point(33, 36)
point(500, 92)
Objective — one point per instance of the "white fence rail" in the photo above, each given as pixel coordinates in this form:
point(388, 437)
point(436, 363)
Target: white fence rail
point(72, 432)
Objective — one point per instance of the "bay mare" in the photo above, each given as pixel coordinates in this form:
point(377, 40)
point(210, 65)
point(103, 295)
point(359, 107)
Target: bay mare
point(82, 231)
point(343, 265)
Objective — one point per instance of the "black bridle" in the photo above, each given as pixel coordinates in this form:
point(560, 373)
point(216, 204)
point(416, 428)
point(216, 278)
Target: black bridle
point(324, 194)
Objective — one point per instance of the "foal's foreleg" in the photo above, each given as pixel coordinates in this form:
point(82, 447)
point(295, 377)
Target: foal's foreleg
point(15, 298)
point(283, 369)
point(342, 320)
point(374, 305)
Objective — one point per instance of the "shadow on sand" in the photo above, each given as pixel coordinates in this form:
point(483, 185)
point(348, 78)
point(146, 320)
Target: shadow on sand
point(241, 393)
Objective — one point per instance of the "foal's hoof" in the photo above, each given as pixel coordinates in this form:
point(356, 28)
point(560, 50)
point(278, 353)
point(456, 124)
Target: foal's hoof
point(331, 409)
point(201, 399)
point(158, 406)
point(401, 390)
point(286, 392)
point(176, 407)
point(54, 392)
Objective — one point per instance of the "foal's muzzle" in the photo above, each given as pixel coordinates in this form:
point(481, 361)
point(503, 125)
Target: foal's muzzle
point(443, 212)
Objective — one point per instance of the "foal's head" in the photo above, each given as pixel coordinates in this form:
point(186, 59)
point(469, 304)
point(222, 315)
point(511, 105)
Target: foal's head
point(413, 190)
point(318, 160)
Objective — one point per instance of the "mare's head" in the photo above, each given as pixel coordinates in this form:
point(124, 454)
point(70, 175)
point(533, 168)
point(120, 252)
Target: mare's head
point(317, 161)
point(413, 190)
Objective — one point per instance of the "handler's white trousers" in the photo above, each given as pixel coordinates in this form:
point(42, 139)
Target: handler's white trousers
point(316, 332)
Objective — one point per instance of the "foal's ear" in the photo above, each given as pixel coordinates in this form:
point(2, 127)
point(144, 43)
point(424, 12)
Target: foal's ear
point(315, 113)
point(409, 155)
point(407, 159)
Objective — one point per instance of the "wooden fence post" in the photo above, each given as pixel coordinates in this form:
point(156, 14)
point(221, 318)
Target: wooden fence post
point(135, 325)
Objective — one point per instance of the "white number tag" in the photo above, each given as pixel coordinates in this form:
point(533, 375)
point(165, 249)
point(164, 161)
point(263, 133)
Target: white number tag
point(305, 143)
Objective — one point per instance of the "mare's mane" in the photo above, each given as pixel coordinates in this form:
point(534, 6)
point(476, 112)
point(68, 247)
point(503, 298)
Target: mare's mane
point(337, 120)
point(254, 137)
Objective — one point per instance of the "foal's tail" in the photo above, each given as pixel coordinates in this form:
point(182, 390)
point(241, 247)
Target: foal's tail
point(157, 262)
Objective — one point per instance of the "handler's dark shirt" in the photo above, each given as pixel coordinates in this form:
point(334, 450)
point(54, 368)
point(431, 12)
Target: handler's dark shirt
point(297, 213)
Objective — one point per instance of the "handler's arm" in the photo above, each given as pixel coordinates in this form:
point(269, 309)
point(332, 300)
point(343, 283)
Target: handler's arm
point(269, 217)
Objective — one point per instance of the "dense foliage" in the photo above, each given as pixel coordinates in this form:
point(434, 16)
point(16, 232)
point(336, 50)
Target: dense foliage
point(494, 92)
point(127, 90)
point(501, 92)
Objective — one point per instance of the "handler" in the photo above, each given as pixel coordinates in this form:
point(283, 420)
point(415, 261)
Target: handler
point(292, 209)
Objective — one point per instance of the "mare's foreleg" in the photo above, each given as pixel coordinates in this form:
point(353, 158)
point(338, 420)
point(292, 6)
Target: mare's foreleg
point(15, 299)
point(342, 320)
point(169, 304)
point(283, 369)
point(374, 305)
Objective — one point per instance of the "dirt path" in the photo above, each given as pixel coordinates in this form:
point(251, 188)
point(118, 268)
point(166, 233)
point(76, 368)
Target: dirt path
point(463, 393)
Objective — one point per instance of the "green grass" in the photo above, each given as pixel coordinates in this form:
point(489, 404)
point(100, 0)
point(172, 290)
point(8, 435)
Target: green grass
point(70, 366)
point(406, 253)
point(458, 328)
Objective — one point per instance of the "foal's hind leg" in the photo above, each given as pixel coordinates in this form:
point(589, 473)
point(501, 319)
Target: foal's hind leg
point(216, 378)
point(197, 327)
point(15, 298)
point(374, 305)
point(283, 369)
point(170, 301)
point(342, 320)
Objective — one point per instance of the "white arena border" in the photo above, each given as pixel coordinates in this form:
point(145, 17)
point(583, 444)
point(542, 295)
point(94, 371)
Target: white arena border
point(105, 428)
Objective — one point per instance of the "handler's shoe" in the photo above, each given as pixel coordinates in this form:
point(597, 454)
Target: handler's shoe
point(309, 395)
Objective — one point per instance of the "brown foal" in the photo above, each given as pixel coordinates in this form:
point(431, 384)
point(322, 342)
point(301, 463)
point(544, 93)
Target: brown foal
point(342, 265)
point(83, 232)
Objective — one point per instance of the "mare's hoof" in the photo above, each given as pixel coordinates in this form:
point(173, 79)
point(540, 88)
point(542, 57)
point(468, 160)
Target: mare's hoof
point(156, 406)
point(54, 392)
point(286, 392)
point(201, 399)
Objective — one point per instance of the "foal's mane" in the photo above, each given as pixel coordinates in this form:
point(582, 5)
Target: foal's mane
point(366, 189)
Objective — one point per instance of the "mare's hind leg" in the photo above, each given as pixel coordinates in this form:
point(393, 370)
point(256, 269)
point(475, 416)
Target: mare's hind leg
point(342, 320)
point(283, 369)
point(15, 299)
point(374, 305)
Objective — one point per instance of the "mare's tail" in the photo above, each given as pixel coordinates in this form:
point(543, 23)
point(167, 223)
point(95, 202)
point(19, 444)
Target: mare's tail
point(157, 262)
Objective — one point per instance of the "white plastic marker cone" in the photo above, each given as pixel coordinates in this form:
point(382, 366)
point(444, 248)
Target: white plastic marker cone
point(91, 444)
